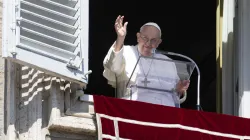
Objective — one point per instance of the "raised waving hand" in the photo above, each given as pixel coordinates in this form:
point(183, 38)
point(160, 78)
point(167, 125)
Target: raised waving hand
point(121, 31)
point(120, 28)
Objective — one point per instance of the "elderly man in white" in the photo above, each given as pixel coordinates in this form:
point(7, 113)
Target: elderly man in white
point(121, 60)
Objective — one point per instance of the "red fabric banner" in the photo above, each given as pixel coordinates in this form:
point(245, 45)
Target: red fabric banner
point(169, 122)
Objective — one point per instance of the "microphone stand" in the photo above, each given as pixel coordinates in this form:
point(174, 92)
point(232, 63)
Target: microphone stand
point(197, 68)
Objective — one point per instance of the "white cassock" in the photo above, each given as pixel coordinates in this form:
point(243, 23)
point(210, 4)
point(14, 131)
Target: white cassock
point(118, 67)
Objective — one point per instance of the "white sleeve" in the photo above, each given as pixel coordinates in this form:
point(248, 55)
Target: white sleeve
point(114, 64)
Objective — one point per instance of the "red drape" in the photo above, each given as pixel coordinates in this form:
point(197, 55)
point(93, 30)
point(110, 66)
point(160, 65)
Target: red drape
point(191, 124)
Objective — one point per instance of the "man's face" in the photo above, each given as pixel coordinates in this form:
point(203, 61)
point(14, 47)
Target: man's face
point(148, 39)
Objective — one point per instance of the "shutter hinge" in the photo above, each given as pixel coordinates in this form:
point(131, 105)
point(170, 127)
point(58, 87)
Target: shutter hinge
point(13, 28)
point(16, 23)
point(75, 64)
point(16, 7)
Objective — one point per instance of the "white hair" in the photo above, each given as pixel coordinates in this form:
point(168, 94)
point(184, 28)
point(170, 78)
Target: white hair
point(151, 24)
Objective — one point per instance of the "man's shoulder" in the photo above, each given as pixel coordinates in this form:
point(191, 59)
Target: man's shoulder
point(129, 47)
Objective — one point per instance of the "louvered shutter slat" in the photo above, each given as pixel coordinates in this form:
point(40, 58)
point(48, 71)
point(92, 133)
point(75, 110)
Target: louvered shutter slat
point(48, 31)
point(47, 39)
point(70, 3)
point(30, 43)
point(48, 13)
point(56, 6)
point(48, 21)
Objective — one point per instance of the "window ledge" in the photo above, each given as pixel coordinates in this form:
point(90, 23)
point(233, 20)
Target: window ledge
point(72, 124)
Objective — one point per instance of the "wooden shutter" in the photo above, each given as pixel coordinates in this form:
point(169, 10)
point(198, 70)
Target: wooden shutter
point(49, 35)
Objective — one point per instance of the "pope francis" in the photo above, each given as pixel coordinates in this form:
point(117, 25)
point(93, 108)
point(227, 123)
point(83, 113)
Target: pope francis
point(121, 60)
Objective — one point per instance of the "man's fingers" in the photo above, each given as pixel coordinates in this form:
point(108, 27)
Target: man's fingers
point(185, 83)
point(116, 24)
point(121, 21)
point(188, 81)
point(125, 26)
point(117, 19)
point(186, 87)
point(117, 27)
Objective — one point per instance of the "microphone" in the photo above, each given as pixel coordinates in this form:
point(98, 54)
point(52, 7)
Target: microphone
point(197, 68)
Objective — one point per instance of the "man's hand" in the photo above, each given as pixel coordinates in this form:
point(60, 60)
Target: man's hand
point(120, 29)
point(182, 86)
